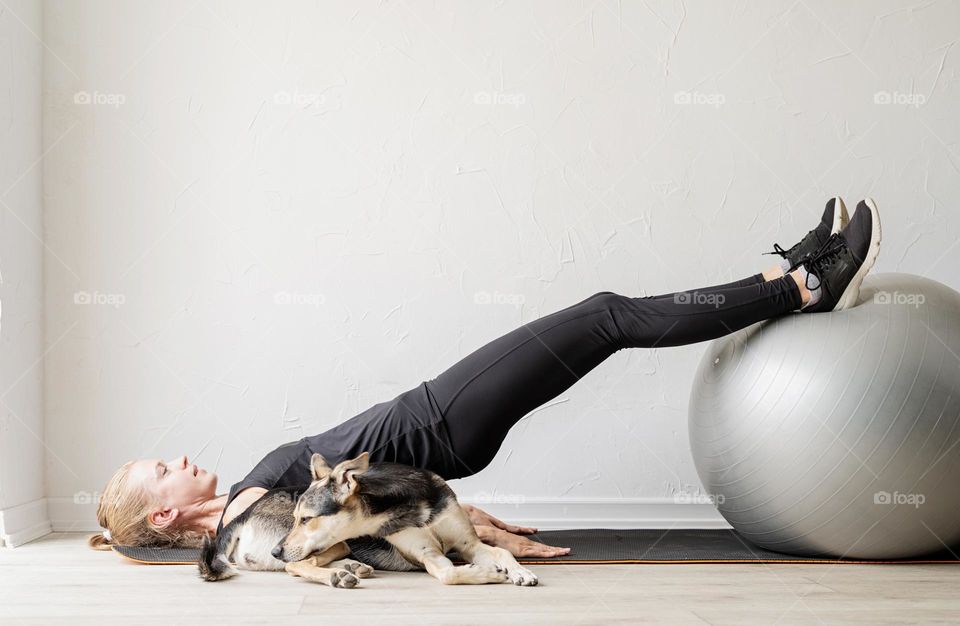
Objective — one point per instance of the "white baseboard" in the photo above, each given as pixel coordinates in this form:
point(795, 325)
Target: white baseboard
point(23, 523)
point(542, 513)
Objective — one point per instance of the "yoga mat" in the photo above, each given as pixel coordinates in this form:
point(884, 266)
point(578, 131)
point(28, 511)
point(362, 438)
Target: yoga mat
point(600, 546)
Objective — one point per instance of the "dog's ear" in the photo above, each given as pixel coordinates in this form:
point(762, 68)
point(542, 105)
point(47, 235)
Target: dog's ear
point(318, 467)
point(345, 473)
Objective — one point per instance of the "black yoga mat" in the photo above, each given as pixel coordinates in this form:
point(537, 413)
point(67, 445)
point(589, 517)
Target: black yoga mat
point(599, 546)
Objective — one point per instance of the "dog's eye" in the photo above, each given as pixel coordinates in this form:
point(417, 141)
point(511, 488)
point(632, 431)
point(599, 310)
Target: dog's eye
point(306, 518)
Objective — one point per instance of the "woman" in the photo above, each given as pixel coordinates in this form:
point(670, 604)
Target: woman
point(455, 423)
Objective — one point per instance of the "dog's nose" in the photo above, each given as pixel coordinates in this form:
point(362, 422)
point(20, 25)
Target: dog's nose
point(277, 551)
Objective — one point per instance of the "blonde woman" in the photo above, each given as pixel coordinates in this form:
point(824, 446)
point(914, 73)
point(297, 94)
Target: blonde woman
point(455, 423)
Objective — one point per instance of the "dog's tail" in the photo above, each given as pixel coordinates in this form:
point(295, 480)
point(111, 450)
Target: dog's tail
point(213, 562)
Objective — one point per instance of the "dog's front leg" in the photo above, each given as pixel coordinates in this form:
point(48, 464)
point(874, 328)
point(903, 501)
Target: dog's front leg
point(443, 569)
point(333, 557)
point(423, 547)
point(324, 575)
point(479, 553)
point(358, 569)
point(457, 525)
point(333, 553)
point(313, 568)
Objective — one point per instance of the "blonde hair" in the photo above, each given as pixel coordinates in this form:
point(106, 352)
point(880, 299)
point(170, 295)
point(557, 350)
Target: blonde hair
point(124, 510)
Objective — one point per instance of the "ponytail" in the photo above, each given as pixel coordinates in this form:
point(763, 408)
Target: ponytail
point(100, 541)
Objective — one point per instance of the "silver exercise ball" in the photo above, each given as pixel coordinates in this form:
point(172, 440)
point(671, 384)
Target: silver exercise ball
point(838, 434)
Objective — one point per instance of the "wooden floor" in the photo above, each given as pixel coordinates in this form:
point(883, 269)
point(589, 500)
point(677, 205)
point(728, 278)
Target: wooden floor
point(56, 579)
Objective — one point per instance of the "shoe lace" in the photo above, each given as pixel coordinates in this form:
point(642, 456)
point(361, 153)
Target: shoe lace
point(778, 249)
point(818, 262)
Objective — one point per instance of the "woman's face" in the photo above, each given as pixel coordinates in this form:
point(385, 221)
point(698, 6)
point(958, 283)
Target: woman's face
point(176, 484)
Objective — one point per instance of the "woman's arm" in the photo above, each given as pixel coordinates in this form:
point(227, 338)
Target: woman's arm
point(517, 545)
point(495, 532)
point(481, 517)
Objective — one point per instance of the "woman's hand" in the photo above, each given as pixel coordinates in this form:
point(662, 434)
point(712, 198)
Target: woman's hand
point(495, 532)
point(517, 545)
point(479, 517)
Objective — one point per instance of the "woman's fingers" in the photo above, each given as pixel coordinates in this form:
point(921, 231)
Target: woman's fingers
point(542, 550)
point(517, 545)
point(479, 516)
point(511, 528)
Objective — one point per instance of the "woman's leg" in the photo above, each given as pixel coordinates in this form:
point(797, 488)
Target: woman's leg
point(743, 282)
point(483, 395)
point(772, 272)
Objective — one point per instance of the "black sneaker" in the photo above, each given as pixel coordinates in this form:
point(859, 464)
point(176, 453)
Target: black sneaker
point(843, 260)
point(833, 221)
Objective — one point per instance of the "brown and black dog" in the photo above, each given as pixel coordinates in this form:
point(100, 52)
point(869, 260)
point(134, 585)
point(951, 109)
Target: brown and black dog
point(412, 510)
point(389, 516)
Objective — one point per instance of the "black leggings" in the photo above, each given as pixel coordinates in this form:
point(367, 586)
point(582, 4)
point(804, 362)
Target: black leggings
point(454, 424)
point(483, 395)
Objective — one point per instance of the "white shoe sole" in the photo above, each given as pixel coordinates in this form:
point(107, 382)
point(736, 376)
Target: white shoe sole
point(840, 218)
point(852, 293)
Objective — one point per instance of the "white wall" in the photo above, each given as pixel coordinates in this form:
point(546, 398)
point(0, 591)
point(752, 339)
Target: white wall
point(23, 514)
point(385, 167)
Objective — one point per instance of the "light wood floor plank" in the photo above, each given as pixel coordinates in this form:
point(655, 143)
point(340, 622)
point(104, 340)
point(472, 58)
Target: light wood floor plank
point(58, 580)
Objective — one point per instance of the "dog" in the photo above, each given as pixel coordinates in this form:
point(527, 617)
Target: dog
point(390, 516)
point(412, 511)
point(250, 537)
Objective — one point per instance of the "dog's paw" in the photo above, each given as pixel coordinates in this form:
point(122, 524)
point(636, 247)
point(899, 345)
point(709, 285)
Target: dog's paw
point(335, 577)
point(358, 569)
point(523, 577)
point(343, 579)
point(491, 574)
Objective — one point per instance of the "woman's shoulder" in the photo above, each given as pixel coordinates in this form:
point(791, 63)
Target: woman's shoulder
point(287, 465)
point(241, 502)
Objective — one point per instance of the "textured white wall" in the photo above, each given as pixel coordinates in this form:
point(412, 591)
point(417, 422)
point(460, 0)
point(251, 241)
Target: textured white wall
point(23, 513)
point(265, 217)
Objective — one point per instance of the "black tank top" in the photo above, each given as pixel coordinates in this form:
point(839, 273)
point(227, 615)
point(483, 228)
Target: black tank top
point(408, 429)
point(287, 466)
